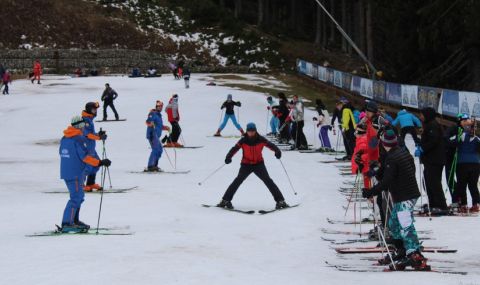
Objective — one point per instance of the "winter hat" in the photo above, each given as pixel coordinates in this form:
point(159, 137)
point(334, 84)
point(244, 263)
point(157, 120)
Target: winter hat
point(389, 138)
point(281, 95)
point(229, 97)
point(251, 127)
point(463, 116)
point(90, 106)
point(371, 107)
point(78, 122)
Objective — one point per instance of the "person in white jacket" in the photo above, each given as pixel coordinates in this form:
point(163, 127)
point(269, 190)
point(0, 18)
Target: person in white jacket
point(298, 113)
point(323, 121)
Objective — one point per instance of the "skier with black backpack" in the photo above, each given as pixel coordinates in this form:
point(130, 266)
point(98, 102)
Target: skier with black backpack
point(252, 145)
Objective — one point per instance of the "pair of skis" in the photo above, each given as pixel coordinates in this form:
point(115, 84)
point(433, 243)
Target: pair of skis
point(250, 212)
point(111, 231)
point(105, 191)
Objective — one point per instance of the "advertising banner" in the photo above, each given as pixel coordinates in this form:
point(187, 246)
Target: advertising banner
point(366, 88)
point(410, 96)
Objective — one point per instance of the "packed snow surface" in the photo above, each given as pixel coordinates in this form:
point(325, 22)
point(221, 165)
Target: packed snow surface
point(177, 241)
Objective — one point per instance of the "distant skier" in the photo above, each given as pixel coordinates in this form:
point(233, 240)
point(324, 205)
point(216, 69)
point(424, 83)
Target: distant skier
point(186, 77)
point(323, 121)
point(37, 71)
point(360, 162)
point(252, 145)
point(399, 178)
point(151, 72)
point(108, 96)
point(274, 121)
point(75, 164)
point(229, 106)
point(88, 116)
point(154, 131)
point(282, 114)
point(408, 122)
point(173, 117)
point(6, 79)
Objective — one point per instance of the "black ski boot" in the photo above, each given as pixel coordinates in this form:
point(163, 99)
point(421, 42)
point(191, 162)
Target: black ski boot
point(153, 169)
point(415, 260)
point(225, 204)
point(398, 254)
point(281, 205)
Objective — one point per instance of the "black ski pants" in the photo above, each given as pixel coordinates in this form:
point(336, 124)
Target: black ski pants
point(433, 184)
point(105, 105)
point(285, 131)
point(261, 171)
point(298, 135)
point(176, 131)
point(349, 141)
point(467, 175)
point(412, 131)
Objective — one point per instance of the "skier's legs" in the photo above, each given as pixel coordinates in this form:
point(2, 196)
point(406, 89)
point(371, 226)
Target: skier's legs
point(235, 123)
point(272, 125)
point(403, 214)
point(176, 130)
point(156, 152)
point(76, 198)
point(114, 110)
point(243, 173)
point(324, 136)
point(105, 115)
point(301, 135)
point(433, 182)
point(261, 171)
point(461, 186)
point(473, 183)
point(224, 123)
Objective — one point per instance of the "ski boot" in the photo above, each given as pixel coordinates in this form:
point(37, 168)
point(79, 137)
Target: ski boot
point(72, 228)
point(217, 134)
point(415, 260)
point(153, 169)
point(398, 254)
point(169, 144)
point(165, 139)
point(176, 144)
point(281, 205)
point(303, 147)
point(225, 204)
point(82, 224)
point(463, 209)
point(90, 188)
point(475, 208)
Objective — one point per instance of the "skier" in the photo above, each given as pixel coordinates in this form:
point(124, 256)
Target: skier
point(407, 122)
point(229, 106)
point(75, 164)
point(274, 121)
point(88, 116)
point(173, 118)
point(186, 77)
point(431, 151)
point(282, 115)
point(348, 129)
point(154, 131)
point(108, 96)
point(6, 79)
point(399, 178)
point(360, 162)
point(298, 113)
point(323, 121)
point(252, 145)
point(467, 164)
point(37, 71)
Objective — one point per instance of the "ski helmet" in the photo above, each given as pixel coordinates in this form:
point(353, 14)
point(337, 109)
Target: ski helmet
point(91, 105)
point(251, 127)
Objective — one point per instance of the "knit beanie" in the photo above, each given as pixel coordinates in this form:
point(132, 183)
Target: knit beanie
point(389, 138)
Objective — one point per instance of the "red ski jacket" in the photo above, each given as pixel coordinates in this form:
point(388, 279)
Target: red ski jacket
point(252, 149)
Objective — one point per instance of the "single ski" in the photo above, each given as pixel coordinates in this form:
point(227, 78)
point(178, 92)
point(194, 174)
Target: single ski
point(105, 191)
point(378, 249)
point(145, 171)
point(226, 137)
point(334, 161)
point(185, 147)
point(373, 268)
point(362, 240)
point(249, 212)
point(263, 212)
point(104, 121)
point(363, 221)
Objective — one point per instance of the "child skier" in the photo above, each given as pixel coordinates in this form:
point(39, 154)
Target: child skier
point(88, 116)
point(173, 118)
point(252, 145)
point(399, 178)
point(360, 162)
point(75, 164)
point(323, 121)
point(154, 131)
point(37, 71)
point(274, 121)
point(229, 106)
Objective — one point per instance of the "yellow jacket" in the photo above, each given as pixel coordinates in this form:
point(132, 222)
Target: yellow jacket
point(347, 117)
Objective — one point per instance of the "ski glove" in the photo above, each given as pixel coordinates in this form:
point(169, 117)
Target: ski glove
point(105, 162)
point(315, 119)
point(418, 151)
point(228, 160)
point(239, 104)
point(102, 135)
point(366, 193)
point(278, 154)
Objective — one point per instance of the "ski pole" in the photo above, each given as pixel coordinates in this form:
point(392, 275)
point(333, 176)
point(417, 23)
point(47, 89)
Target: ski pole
point(336, 145)
point(380, 235)
point(101, 197)
point(424, 188)
point(104, 156)
point(286, 173)
point(211, 174)
point(183, 140)
point(266, 125)
point(169, 160)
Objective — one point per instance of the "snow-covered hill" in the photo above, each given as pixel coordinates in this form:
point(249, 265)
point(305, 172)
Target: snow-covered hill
point(177, 241)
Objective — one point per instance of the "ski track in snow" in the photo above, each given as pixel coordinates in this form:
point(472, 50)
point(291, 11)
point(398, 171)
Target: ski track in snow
point(176, 240)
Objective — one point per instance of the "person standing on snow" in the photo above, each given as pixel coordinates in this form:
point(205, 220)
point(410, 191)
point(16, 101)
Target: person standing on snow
point(360, 162)
point(298, 114)
point(431, 151)
point(408, 122)
point(282, 114)
point(173, 117)
point(88, 116)
point(229, 106)
point(186, 77)
point(274, 121)
point(252, 145)
point(399, 179)
point(108, 96)
point(154, 131)
point(323, 122)
point(6, 79)
point(37, 71)
point(348, 129)
point(75, 164)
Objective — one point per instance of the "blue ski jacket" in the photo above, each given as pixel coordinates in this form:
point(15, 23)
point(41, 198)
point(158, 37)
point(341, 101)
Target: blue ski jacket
point(75, 159)
point(406, 119)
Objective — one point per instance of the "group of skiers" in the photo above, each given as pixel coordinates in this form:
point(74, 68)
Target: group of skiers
point(5, 79)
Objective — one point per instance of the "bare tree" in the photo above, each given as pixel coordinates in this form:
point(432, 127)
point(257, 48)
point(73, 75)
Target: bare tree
point(238, 8)
point(260, 12)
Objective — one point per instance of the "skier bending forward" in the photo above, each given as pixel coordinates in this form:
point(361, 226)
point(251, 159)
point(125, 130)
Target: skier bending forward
point(252, 161)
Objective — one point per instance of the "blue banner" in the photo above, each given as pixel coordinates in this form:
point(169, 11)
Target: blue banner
point(429, 97)
point(356, 84)
point(379, 90)
point(394, 93)
point(330, 76)
point(450, 102)
point(346, 81)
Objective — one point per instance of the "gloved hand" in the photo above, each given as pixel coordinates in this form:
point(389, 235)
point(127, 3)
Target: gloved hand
point(239, 104)
point(278, 154)
point(366, 193)
point(105, 162)
point(268, 108)
point(102, 135)
point(418, 151)
point(228, 160)
point(331, 128)
point(315, 119)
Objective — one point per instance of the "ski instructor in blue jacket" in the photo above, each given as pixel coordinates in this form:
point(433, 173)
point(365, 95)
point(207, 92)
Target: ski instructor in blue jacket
point(75, 164)
point(154, 131)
